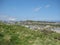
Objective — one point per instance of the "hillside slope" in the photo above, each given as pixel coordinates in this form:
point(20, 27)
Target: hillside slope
point(19, 35)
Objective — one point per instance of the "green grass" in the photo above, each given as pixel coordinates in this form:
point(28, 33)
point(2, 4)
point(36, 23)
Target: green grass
point(19, 35)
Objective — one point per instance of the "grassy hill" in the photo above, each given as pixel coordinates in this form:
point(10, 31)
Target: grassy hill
point(19, 35)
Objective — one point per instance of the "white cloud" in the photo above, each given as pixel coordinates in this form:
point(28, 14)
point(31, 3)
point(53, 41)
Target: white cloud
point(6, 17)
point(47, 6)
point(37, 9)
point(12, 19)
